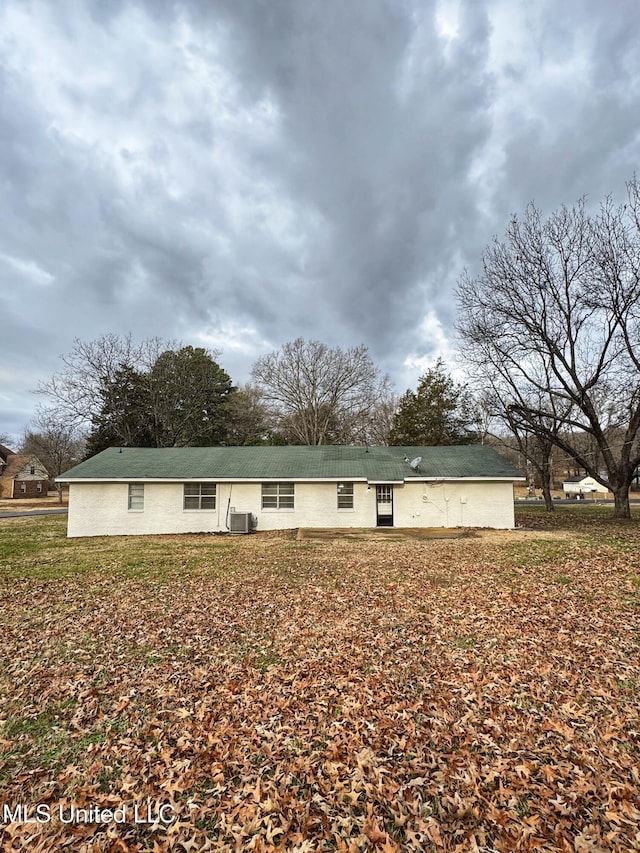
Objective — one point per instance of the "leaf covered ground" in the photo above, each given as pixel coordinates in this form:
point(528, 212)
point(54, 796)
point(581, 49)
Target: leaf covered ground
point(480, 693)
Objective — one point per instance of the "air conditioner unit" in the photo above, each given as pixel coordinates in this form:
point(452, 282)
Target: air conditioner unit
point(240, 522)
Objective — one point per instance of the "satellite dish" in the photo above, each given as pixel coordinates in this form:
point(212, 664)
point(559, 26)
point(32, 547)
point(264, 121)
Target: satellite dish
point(415, 462)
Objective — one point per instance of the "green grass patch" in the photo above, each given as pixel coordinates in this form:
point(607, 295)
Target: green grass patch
point(38, 549)
point(594, 527)
point(569, 516)
point(47, 741)
point(539, 552)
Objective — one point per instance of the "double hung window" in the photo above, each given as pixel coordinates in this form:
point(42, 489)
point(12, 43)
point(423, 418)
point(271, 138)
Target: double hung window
point(136, 496)
point(345, 495)
point(199, 496)
point(278, 496)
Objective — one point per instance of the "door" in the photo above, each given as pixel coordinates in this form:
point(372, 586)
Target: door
point(384, 506)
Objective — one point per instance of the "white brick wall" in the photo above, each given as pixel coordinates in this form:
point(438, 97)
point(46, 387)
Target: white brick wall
point(97, 509)
point(454, 504)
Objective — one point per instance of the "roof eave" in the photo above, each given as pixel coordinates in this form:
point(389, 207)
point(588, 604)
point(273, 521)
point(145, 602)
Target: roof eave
point(480, 478)
point(333, 479)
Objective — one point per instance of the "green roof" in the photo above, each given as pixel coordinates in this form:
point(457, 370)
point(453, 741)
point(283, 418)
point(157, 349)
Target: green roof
point(326, 462)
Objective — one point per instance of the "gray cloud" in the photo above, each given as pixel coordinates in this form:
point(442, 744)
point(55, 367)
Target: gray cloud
point(239, 174)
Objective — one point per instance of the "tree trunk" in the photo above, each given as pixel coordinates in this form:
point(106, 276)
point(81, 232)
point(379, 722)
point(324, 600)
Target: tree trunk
point(546, 494)
point(622, 507)
point(546, 475)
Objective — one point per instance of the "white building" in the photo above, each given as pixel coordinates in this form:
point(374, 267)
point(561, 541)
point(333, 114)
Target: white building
point(210, 489)
point(578, 486)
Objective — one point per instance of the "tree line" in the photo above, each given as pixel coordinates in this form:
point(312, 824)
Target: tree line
point(551, 335)
point(115, 392)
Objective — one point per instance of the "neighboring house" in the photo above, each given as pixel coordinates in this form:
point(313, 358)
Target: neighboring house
point(207, 489)
point(580, 485)
point(22, 475)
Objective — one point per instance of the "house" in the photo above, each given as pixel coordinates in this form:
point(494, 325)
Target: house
point(577, 487)
point(22, 475)
point(206, 489)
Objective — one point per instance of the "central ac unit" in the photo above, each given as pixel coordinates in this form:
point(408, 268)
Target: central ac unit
point(240, 522)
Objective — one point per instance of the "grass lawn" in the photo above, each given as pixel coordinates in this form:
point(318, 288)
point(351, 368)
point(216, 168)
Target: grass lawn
point(263, 693)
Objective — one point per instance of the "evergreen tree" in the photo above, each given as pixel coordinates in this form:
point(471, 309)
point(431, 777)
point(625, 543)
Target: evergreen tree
point(125, 416)
point(439, 412)
point(182, 400)
point(189, 395)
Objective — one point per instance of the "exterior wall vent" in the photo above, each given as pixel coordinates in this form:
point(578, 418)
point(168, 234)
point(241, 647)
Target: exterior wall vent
point(240, 522)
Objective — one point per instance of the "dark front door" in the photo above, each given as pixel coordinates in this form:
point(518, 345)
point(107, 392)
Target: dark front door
point(384, 506)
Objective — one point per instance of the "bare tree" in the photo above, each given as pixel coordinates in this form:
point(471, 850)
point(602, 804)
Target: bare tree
point(322, 395)
point(57, 444)
point(537, 451)
point(379, 426)
point(535, 448)
point(553, 324)
point(90, 370)
point(250, 422)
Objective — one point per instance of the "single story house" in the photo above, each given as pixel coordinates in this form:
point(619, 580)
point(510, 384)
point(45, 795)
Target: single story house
point(209, 489)
point(580, 485)
point(22, 475)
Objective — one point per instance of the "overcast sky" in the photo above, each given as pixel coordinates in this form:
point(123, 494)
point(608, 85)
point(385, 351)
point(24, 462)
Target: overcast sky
point(238, 173)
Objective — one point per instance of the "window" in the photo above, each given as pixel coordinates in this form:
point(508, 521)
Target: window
point(345, 495)
point(38, 487)
point(383, 494)
point(32, 469)
point(199, 496)
point(136, 495)
point(23, 488)
point(277, 496)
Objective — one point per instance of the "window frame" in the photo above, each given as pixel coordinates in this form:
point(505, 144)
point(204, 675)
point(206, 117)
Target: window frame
point(135, 501)
point(345, 495)
point(280, 497)
point(199, 497)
